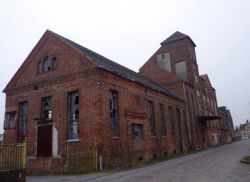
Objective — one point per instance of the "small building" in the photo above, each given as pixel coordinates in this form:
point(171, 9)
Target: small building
point(245, 130)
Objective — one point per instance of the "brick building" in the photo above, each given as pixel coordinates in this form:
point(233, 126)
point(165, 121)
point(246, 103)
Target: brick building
point(65, 96)
point(207, 102)
point(176, 67)
point(226, 126)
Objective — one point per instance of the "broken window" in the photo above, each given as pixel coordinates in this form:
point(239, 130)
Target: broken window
point(23, 116)
point(171, 121)
point(46, 108)
point(113, 100)
point(163, 61)
point(137, 132)
point(74, 115)
point(162, 120)
point(151, 118)
point(9, 121)
point(47, 64)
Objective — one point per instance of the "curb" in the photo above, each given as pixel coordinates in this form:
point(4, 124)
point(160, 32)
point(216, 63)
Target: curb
point(245, 161)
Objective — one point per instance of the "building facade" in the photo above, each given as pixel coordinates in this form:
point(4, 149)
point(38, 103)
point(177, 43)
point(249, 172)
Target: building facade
point(65, 97)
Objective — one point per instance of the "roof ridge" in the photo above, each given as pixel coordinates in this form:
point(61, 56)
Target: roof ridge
point(176, 36)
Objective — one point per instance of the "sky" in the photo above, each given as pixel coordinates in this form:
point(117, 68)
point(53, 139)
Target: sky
point(129, 32)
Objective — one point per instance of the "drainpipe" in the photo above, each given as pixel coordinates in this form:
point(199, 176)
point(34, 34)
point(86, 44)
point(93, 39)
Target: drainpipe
point(188, 119)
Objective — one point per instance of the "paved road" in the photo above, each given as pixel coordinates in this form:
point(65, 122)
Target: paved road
point(220, 164)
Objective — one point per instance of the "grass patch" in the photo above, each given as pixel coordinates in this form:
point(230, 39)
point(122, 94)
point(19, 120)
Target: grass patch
point(151, 161)
point(245, 160)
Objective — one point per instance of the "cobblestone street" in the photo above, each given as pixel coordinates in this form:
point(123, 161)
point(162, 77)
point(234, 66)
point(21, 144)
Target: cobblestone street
point(219, 164)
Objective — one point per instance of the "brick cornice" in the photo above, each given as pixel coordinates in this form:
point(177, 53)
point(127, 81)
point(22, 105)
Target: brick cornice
point(49, 82)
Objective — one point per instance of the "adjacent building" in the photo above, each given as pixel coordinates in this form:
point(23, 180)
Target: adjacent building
point(1, 141)
point(66, 100)
point(226, 126)
point(245, 130)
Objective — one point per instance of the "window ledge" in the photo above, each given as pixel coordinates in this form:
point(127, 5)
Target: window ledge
point(116, 138)
point(73, 140)
point(138, 139)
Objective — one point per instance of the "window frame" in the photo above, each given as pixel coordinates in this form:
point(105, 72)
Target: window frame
point(114, 113)
point(151, 118)
point(162, 120)
point(47, 64)
point(73, 119)
point(140, 131)
point(21, 117)
point(50, 112)
point(171, 121)
point(10, 124)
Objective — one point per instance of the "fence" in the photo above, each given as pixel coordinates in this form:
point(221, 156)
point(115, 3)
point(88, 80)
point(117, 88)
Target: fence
point(82, 157)
point(13, 156)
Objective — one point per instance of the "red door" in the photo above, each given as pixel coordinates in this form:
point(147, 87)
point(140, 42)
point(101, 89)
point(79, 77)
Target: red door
point(44, 140)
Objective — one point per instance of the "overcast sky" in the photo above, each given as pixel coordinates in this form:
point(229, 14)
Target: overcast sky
point(130, 31)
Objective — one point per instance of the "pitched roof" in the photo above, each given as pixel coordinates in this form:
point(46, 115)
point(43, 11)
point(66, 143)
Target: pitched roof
point(177, 36)
point(117, 69)
point(206, 78)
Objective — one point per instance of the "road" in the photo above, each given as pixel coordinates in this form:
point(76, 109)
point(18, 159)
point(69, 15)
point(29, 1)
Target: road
point(219, 164)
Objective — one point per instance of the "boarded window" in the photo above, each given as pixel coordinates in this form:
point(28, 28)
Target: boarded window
point(113, 100)
point(137, 132)
point(171, 121)
point(163, 61)
point(162, 120)
point(181, 70)
point(135, 101)
point(23, 116)
point(9, 121)
point(73, 115)
point(46, 108)
point(151, 118)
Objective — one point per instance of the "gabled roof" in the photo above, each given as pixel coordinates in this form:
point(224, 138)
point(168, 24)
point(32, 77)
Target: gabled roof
point(117, 69)
point(206, 78)
point(176, 37)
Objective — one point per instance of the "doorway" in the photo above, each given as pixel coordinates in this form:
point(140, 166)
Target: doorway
point(44, 141)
